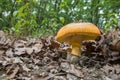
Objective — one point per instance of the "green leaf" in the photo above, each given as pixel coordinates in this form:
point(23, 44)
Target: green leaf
point(108, 24)
point(62, 19)
point(114, 20)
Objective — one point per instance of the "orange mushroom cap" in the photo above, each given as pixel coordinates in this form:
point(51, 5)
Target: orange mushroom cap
point(77, 32)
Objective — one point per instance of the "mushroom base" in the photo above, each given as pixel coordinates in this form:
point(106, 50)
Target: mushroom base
point(73, 58)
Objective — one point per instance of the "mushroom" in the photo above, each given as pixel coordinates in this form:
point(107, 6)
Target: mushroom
point(74, 34)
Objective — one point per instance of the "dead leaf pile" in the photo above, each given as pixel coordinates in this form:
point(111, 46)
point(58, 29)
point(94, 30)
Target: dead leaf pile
point(26, 59)
point(105, 49)
point(45, 59)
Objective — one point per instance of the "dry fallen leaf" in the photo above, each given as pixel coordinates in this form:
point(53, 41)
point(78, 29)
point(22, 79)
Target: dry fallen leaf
point(70, 69)
point(14, 72)
point(25, 68)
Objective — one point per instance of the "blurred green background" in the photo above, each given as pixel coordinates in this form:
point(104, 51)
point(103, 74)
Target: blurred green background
point(46, 17)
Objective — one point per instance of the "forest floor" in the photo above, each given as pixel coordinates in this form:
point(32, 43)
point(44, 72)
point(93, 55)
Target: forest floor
point(45, 59)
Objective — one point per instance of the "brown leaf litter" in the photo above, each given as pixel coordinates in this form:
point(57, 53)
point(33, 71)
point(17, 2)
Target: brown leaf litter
point(45, 59)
